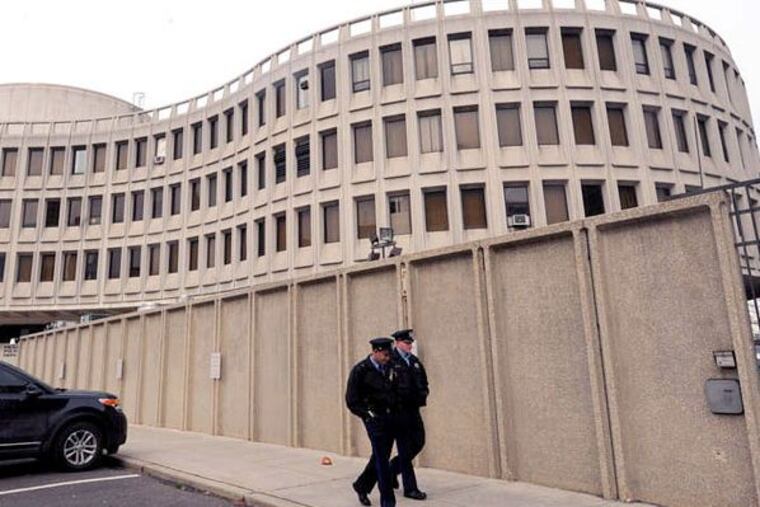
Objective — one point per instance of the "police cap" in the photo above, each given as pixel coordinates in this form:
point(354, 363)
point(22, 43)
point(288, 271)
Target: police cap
point(404, 335)
point(381, 343)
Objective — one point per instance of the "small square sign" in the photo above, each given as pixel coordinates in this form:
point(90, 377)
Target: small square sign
point(725, 359)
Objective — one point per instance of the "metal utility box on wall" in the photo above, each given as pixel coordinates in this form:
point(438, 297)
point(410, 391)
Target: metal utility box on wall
point(724, 396)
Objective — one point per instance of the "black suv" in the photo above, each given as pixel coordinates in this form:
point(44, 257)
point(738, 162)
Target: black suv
point(71, 427)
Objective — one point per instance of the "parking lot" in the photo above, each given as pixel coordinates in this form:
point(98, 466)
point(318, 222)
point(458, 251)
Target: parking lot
point(31, 484)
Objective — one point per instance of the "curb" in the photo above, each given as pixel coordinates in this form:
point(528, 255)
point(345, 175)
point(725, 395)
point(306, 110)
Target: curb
point(241, 496)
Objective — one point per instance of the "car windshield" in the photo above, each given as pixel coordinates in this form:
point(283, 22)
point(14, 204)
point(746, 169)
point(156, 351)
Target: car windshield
point(26, 375)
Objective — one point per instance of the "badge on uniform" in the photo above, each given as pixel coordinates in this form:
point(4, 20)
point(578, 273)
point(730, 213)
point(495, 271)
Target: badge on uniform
point(417, 365)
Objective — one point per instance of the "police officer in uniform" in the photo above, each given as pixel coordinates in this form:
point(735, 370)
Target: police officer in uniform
point(372, 395)
point(412, 390)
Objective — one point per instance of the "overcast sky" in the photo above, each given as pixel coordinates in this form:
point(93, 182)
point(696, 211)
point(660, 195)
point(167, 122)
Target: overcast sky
point(174, 49)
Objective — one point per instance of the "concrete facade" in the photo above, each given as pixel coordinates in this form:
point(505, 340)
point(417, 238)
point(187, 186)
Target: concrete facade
point(158, 170)
point(561, 356)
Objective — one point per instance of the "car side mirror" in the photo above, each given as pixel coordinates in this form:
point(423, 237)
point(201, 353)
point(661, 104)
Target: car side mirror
point(32, 391)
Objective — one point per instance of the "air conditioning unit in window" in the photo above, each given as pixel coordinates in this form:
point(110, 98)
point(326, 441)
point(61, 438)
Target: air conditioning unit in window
point(159, 159)
point(520, 221)
point(304, 85)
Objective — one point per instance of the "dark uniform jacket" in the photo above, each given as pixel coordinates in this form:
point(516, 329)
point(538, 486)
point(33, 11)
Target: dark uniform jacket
point(412, 383)
point(368, 390)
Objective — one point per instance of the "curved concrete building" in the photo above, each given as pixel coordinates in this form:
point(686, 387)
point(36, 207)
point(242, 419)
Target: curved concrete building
point(449, 121)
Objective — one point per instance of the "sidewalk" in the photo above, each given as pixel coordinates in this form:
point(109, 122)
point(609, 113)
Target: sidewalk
point(277, 476)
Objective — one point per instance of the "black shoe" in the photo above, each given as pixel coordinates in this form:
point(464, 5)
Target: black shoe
point(363, 499)
point(394, 481)
point(415, 494)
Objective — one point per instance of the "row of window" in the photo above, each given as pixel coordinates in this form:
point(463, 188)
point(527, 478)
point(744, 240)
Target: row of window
point(436, 218)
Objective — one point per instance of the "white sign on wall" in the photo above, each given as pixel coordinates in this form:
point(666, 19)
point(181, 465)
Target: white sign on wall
point(216, 366)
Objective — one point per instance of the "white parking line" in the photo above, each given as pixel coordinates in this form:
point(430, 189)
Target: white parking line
point(67, 483)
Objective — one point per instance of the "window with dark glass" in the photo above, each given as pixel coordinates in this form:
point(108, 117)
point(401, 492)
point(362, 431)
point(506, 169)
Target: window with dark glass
point(572, 48)
point(178, 141)
point(327, 80)
point(360, 71)
point(157, 202)
point(652, 124)
point(138, 205)
point(159, 148)
point(436, 210)
point(627, 195)
point(47, 266)
point(175, 194)
point(593, 199)
point(393, 68)
point(261, 170)
point(57, 157)
point(261, 103)
point(122, 154)
point(425, 58)
point(212, 190)
point(228, 186)
point(98, 158)
point(508, 124)
point(466, 127)
point(583, 125)
point(331, 222)
point(52, 212)
point(227, 247)
point(134, 261)
point(431, 135)
point(24, 269)
point(605, 47)
point(197, 138)
point(117, 210)
point(395, 136)
point(537, 47)
point(243, 117)
point(78, 160)
point(302, 89)
point(362, 142)
point(195, 194)
point(242, 242)
point(279, 158)
point(366, 224)
point(640, 57)
point(400, 212)
point(663, 192)
point(10, 158)
point(704, 138)
point(91, 265)
point(210, 250)
point(666, 50)
point(213, 132)
point(329, 149)
point(5, 213)
point(460, 53)
point(546, 123)
point(114, 263)
point(281, 232)
point(679, 124)
point(616, 121)
point(304, 227)
point(229, 124)
point(555, 203)
point(709, 66)
point(260, 238)
point(280, 100)
point(243, 177)
point(689, 53)
point(95, 210)
point(34, 161)
point(69, 266)
point(722, 132)
point(141, 150)
point(74, 213)
point(173, 256)
point(154, 259)
point(29, 215)
point(303, 156)
point(500, 46)
point(192, 254)
point(473, 208)
point(516, 199)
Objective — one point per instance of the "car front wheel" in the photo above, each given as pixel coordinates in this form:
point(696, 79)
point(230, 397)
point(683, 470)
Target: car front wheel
point(79, 447)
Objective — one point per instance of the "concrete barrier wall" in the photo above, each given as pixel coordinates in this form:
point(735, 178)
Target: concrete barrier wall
point(573, 356)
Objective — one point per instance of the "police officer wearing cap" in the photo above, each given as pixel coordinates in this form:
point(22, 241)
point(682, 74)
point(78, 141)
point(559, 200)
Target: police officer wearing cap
point(372, 395)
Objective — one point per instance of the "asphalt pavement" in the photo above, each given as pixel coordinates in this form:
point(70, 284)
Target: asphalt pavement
point(34, 484)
